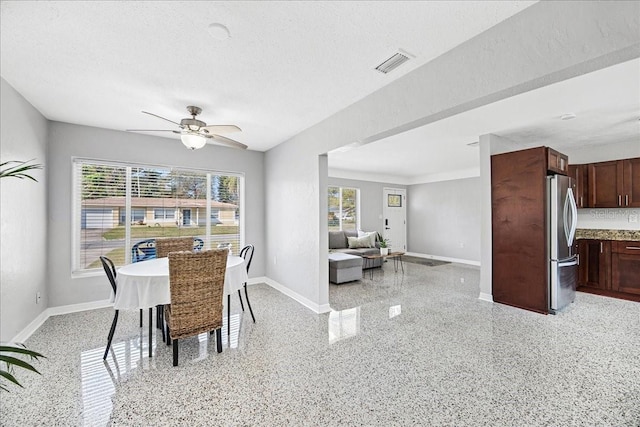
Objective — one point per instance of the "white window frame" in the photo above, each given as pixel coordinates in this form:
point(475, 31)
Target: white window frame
point(76, 205)
point(357, 212)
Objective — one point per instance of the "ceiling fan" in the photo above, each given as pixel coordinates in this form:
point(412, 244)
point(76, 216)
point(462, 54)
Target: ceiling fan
point(194, 133)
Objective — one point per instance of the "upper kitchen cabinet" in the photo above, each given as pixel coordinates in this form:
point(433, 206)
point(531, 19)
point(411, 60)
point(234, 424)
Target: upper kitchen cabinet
point(603, 184)
point(614, 184)
point(557, 162)
point(631, 182)
point(579, 176)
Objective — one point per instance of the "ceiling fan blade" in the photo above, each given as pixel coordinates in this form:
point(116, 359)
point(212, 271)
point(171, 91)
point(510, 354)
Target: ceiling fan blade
point(226, 141)
point(160, 117)
point(211, 129)
point(150, 130)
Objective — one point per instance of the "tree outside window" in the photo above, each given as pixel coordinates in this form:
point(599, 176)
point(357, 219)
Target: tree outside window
point(342, 208)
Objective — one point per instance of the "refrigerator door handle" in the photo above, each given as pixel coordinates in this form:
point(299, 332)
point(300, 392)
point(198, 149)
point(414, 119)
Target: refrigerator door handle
point(570, 228)
point(574, 260)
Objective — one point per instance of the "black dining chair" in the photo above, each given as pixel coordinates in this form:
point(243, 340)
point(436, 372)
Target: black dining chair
point(110, 270)
point(247, 254)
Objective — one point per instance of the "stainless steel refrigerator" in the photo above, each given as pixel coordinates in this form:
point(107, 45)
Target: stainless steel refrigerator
point(563, 261)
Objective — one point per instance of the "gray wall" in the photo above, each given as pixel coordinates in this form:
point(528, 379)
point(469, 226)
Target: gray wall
point(23, 215)
point(67, 141)
point(370, 200)
point(546, 43)
point(442, 216)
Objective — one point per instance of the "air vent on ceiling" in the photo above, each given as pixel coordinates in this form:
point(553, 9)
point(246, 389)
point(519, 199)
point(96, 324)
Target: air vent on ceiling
point(394, 62)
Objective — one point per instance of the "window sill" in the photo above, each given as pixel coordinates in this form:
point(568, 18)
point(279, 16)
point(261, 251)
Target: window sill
point(87, 273)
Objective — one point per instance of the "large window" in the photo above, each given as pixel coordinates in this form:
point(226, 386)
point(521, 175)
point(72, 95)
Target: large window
point(343, 208)
point(159, 202)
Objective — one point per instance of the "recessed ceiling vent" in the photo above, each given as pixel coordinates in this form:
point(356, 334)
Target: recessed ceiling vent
point(394, 62)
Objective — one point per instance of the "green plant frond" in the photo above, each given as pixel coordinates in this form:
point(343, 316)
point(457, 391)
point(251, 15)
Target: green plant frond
point(14, 361)
point(21, 350)
point(9, 377)
point(18, 171)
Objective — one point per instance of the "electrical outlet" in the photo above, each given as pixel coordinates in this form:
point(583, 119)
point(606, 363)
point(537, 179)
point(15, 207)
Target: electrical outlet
point(461, 244)
point(38, 297)
point(462, 280)
point(633, 217)
point(275, 260)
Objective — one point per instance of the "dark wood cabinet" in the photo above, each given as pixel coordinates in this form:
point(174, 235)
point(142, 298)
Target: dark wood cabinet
point(580, 182)
point(614, 184)
point(595, 264)
point(610, 268)
point(631, 182)
point(604, 180)
point(519, 230)
point(625, 267)
point(557, 162)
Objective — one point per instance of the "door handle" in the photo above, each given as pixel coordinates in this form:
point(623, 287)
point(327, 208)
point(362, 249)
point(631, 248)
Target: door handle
point(600, 247)
point(619, 200)
point(635, 248)
point(626, 200)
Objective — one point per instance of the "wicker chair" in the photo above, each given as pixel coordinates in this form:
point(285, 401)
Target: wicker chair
point(197, 287)
point(173, 244)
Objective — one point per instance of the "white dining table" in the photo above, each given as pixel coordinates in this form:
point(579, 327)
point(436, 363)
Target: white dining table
point(145, 284)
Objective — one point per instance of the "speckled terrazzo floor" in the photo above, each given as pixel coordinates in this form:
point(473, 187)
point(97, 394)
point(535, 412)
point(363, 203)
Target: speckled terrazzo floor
point(412, 349)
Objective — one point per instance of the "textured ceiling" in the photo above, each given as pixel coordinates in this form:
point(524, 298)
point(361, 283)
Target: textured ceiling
point(606, 104)
point(286, 66)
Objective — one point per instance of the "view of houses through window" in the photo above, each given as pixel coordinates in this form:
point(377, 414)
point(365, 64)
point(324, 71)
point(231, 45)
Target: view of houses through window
point(160, 201)
point(343, 208)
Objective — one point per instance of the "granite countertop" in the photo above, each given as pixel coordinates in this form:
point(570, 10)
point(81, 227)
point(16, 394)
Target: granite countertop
point(583, 233)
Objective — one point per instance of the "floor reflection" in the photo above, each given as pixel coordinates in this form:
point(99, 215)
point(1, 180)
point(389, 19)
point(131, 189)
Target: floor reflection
point(394, 310)
point(344, 324)
point(100, 377)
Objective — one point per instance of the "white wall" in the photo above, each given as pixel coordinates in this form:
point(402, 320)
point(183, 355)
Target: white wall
point(546, 43)
point(23, 215)
point(443, 216)
point(370, 200)
point(67, 141)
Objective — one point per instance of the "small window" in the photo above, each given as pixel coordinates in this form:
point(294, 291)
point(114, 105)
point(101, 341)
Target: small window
point(343, 208)
point(164, 213)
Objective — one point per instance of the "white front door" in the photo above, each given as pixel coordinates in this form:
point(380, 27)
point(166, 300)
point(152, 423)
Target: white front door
point(394, 213)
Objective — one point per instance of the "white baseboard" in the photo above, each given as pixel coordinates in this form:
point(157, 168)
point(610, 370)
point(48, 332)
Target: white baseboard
point(75, 308)
point(24, 334)
point(444, 258)
point(316, 308)
point(485, 297)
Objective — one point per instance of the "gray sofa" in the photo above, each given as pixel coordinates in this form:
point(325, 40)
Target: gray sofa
point(338, 242)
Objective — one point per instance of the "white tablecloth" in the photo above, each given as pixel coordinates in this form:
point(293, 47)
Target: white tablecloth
point(146, 284)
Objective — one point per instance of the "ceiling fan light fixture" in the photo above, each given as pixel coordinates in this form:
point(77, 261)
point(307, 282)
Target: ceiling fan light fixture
point(193, 141)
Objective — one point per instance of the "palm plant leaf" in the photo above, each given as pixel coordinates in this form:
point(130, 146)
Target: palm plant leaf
point(9, 377)
point(19, 170)
point(8, 361)
point(22, 350)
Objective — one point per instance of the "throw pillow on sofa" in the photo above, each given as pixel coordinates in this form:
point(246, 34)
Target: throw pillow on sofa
point(359, 242)
point(373, 235)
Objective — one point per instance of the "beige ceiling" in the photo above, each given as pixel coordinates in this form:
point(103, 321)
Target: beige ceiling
point(286, 66)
